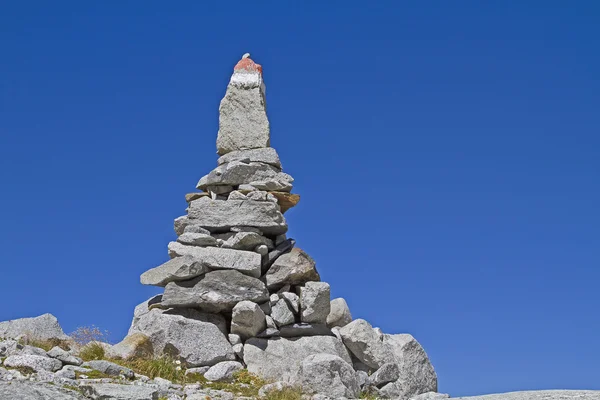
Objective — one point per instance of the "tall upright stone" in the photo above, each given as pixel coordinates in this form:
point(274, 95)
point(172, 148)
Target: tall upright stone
point(243, 122)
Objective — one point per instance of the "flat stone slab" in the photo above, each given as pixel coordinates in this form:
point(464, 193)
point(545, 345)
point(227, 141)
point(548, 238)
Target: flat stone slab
point(247, 262)
point(221, 216)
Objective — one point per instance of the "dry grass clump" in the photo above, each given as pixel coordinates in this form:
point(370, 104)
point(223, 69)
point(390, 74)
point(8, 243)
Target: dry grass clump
point(288, 393)
point(46, 344)
point(92, 351)
point(165, 367)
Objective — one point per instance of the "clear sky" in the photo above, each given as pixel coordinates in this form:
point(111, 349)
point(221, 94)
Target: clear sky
point(447, 155)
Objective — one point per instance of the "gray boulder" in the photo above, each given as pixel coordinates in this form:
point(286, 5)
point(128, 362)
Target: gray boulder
point(143, 308)
point(134, 345)
point(366, 344)
point(245, 241)
point(215, 291)
point(281, 313)
point(176, 269)
point(340, 313)
point(246, 262)
point(247, 319)
point(113, 391)
point(35, 391)
point(315, 303)
point(292, 268)
point(44, 327)
point(64, 356)
point(197, 239)
point(109, 368)
point(197, 342)
point(328, 375)
point(37, 363)
point(266, 155)
point(243, 122)
point(221, 216)
point(223, 371)
point(280, 358)
point(259, 175)
point(389, 372)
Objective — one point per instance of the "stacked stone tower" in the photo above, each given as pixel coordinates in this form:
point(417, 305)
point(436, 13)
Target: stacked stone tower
point(239, 293)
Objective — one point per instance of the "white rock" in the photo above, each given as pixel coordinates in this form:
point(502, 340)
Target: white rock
point(340, 313)
point(197, 239)
point(37, 363)
point(247, 319)
point(43, 327)
point(177, 269)
point(64, 356)
point(315, 302)
point(328, 375)
point(266, 155)
point(223, 371)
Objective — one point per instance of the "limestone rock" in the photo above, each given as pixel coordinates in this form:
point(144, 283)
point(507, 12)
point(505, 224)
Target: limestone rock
point(243, 122)
point(177, 269)
point(246, 262)
point(197, 239)
point(221, 216)
point(223, 371)
point(292, 268)
point(259, 175)
point(328, 375)
point(113, 391)
point(340, 313)
point(197, 342)
point(267, 155)
point(247, 319)
point(64, 356)
point(215, 291)
point(315, 302)
point(366, 344)
point(280, 358)
point(35, 391)
point(44, 327)
point(282, 313)
point(37, 363)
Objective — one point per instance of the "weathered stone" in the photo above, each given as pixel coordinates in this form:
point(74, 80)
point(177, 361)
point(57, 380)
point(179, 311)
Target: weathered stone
point(197, 239)
point(236, 195)
point(266, 155)
point(197, 342)
point(262, 249)
point(259, 175)
point(366, 344)
point(328, 375)
point(292, 268)
point(238, 229)
point(362, 378)
point(270, 322)
point(37, 363)
point(143, 308)
point(281, 313)
point(221, 216)
point(247, 319)
point(177, 269)
point(195, 196)
point(35, 391)
point(247, 241)
point(285, 200)
point(44, 327)
point(246, 262)
point(387, 373)
point(180, 223)
point(216, 190)
point(223, 371)
point(281, 248)
point(304, 329)
point(234, 339)
point(339, 314)
point(215, 291)
point(197, 370)
point(64, 356)
point(280, 358)
point(315, 302)
point(193, 228)
point(109, 368)
point(257, 195)
point(113, 391)
point(243, 122)
point(416, 372)
point(134, 345)
point(292, 299)
point(269, 333)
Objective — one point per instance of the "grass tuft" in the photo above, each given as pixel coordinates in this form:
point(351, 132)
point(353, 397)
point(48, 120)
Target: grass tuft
point(92, 351)
point(164, 367)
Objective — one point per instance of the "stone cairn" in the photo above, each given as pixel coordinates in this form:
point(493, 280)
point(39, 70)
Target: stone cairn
point(239, 293)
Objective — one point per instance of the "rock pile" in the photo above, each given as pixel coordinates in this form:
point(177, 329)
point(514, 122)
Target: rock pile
point(238, 292)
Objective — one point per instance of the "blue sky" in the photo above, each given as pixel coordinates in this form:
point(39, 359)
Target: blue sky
point(447, 155)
